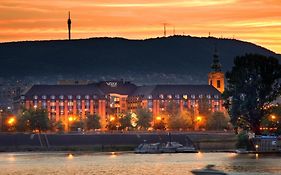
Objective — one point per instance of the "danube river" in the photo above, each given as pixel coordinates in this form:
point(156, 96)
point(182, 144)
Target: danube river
point(130, 164)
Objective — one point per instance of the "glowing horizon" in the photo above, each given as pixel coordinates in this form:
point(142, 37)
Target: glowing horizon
point(256, 21)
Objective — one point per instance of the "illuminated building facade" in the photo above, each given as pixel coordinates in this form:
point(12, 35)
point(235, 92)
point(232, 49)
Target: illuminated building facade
point(108, 98)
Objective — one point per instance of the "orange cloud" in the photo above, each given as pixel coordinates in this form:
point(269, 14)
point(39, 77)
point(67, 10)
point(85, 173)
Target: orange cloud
point(256, 21)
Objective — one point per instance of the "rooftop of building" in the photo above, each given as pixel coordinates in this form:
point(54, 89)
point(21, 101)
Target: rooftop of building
point(101, 89)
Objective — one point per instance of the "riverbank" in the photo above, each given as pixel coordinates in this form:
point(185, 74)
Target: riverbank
point(107, 142)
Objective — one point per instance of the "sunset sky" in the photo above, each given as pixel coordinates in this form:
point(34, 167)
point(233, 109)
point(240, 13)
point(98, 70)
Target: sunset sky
point(257, 21)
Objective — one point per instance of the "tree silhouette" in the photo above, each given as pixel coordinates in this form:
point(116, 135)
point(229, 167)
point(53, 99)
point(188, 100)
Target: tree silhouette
point(253, 83)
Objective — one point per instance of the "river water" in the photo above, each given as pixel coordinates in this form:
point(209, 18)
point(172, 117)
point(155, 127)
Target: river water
point(131, 164)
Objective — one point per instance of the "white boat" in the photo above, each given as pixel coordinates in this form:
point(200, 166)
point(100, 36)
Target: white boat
point(175, 147)
point(169, 147)
point(145, 148)
point(208, 170)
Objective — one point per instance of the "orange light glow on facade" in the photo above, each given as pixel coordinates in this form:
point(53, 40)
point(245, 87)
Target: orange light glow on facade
point(253, 21)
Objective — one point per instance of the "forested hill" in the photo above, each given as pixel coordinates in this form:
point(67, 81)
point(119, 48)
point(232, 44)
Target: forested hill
point(177, 58)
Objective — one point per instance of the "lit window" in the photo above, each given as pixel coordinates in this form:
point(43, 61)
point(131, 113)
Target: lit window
point(184, 97)
point(53, 97)
point(193, 96)
point(177, 96)
point(78, 97)
point(61, 97)
point(161, 96)
point(216, 96)
point(149, 97)
point(35, 97)
point(69, 97)
point(87, 96)
point(44, 104)
point(218, 84)
point(200, 96)
point(209, 96)
point(22, 97)
point(44, 97)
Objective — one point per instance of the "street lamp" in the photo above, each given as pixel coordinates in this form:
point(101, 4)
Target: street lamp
point(158, 118)
point(11, 121)
point(70, 120)
point(198, 119)
point(112, 118)
point(273, 117)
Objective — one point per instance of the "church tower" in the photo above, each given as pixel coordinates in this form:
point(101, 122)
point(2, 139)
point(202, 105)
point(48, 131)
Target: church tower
point(216, 76)
point(69, 26)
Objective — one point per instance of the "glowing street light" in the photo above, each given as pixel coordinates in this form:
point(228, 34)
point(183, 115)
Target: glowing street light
point(70, 120)
point(11, 120)
point(273, 117)
point(198, 118)
point(158, 118)
point(112, 118)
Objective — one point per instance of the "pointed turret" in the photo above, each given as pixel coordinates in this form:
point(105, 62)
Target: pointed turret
point(216, 66)
point(216, 76)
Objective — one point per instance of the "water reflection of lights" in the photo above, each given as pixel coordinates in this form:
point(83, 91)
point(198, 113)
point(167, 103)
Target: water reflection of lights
point(232, 155)
point(257, 156)
point(70, 157)
point(199, 155)
point(11, 158)
point(113, 155)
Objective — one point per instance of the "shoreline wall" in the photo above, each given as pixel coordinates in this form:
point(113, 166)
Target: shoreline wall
point(112, 141)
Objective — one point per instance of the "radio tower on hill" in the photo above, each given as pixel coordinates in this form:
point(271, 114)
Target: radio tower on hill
point(69, 26)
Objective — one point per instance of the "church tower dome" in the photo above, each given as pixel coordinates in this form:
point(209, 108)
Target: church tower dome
point(216, 76)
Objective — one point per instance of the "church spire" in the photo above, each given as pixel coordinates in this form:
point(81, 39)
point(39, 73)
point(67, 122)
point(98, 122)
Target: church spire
point(216, 66)
point(69, 26)
point(216, 76)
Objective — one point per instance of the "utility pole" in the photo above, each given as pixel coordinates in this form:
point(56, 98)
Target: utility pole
point(1, 116)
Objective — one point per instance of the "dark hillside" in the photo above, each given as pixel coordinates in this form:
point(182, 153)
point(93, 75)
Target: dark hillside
point(188, 57)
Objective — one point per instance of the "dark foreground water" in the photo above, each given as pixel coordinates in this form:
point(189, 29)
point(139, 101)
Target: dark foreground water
point(130, 164)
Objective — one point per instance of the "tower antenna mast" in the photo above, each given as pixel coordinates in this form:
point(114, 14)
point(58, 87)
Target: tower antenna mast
point(165, 32)
point(69, 26)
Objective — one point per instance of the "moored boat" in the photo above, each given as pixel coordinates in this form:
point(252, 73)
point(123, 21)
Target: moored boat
point(169, 147)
